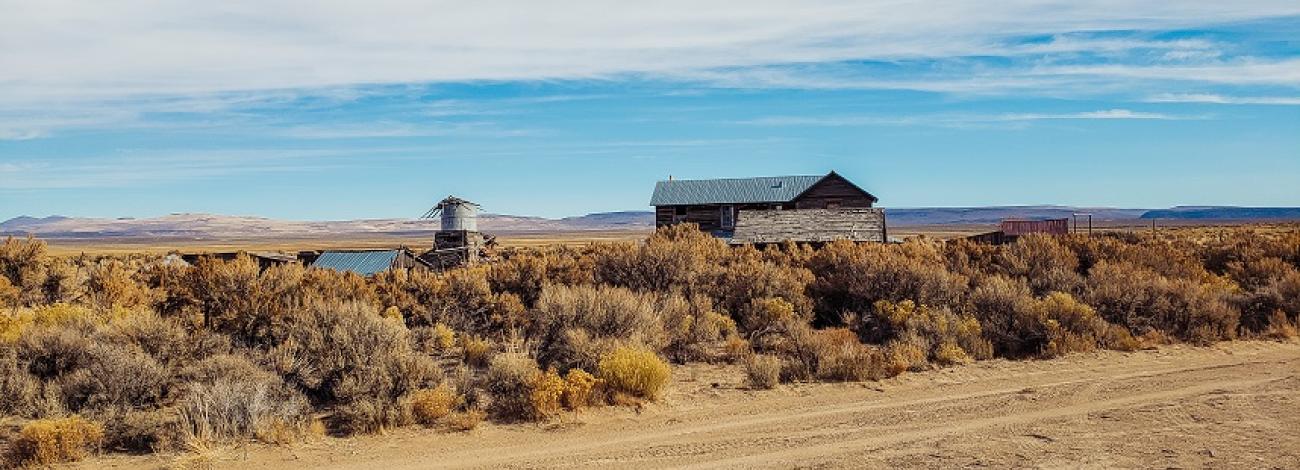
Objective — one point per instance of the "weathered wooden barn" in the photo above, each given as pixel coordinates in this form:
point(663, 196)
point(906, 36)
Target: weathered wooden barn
point(772, 209)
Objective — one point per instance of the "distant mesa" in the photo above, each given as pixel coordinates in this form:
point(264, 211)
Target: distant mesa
point(1225, 213)
point(995, 214)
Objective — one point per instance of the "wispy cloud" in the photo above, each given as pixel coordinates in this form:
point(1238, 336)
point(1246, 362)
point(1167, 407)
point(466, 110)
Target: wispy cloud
point(86, 49)
point(1223, 99)
point(957, 120)
point(17, 133)
point(134, 167)
point(1103, 114)
point(968, 77)
point(389, 129)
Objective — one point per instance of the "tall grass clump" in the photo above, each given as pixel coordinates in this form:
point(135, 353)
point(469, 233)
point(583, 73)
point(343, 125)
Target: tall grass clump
point(576, 326)
point(50, 441)
point(431, 406)
point(636, 372)
point(520, 390)
point(763, 371)
point(228, 399)
point(346, 356)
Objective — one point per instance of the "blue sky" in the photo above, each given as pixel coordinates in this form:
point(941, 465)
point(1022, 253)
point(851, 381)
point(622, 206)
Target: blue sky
point(339, 112)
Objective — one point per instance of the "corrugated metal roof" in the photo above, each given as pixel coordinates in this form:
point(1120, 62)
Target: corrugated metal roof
point(732, 190)
point(364, 263)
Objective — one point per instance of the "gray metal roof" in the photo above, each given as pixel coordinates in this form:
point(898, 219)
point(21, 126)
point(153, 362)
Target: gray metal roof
point(364, 263)
point(732, 190)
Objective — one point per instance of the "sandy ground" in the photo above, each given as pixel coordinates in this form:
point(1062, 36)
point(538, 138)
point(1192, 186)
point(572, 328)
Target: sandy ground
point(1234, 405)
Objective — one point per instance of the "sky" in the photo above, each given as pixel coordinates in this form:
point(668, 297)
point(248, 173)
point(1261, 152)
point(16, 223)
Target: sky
point(345, 110)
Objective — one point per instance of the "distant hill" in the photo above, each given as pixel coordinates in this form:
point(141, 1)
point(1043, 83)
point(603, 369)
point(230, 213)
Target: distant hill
point(1224, 213)
point(992, 215)
point(219, 226)
point(225, 226)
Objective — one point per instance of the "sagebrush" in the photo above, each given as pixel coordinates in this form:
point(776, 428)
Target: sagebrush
point(148, 354)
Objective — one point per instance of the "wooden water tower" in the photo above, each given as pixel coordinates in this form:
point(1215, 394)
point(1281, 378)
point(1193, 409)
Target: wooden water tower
point(458, 241)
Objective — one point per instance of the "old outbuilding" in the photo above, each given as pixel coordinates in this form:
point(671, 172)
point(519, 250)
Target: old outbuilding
point(772, 209)
point(1009, 230)
point(458, 241)
point(369, 262)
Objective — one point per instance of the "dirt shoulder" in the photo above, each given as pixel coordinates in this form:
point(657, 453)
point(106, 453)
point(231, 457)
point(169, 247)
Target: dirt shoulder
point(1233, 405)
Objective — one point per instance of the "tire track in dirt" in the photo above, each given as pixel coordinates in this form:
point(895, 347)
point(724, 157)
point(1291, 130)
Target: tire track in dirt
point(895, 436)
point(1109, 408)
point(628, 445)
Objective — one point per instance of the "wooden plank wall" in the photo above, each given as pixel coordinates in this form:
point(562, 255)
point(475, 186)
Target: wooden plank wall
point(1026, 227)
point(707, 216)
point(810, 225)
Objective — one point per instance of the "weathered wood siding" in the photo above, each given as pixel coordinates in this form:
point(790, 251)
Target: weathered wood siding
point(810, 225)
point(707, 216)
point(831, 191)
point(664, 215)
point(1025, 227)
point(407, 260)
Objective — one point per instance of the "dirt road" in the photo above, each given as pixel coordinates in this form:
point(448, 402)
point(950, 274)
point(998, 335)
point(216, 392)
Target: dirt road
point(1231, 405)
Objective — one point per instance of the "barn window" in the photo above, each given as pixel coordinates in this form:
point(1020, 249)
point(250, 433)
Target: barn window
point(679, 210)
point(728, 216)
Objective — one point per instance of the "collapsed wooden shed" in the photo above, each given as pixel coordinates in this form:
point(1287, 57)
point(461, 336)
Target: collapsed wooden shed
point(1011, 229)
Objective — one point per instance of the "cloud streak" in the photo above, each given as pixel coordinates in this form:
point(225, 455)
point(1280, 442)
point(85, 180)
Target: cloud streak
point(1223, 99)
point(966, 120)
point(62, 49)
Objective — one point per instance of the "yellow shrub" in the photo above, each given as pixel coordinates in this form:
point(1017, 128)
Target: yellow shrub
point(444, 338)
point(635, 371)
point(736, 349)
point(9, 293)
point(59, 314)
point(466, 420)
point(545, 395)
point(949, 353)
point(50, 441)
point(111, 284)
point(477, 352)
point(432, 405)
point(394, 315)
point(578, 388)
point(902, 356)
point(836, 354)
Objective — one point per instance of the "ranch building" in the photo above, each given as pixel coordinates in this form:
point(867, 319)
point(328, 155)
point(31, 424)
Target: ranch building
point(773, 209)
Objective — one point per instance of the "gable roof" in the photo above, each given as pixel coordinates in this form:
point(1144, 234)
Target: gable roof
point(365, 263)
point(738, 190)
point(732, 190)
